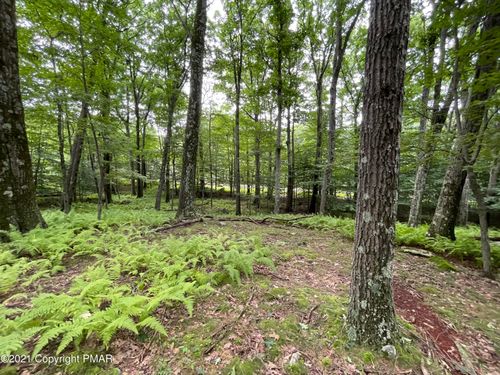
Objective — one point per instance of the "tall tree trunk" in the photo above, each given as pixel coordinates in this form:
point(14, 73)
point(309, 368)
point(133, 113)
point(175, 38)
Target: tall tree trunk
point(210, 160)
point(76, 156)
point(138, 159)
point(201, 172)
point(438, 119)
point(108, 187)
point(187, 192)
point(340, 47)
point(445, 215)
point(289, 153)
point(371, 318)
point(60, 132)
point(100, 185)
point(277, 152)
point(107, 157)
point(319, 139)
point(131, 157)
point(237, 174)
point(257, 167)
point(165, 160)
point(18, 204)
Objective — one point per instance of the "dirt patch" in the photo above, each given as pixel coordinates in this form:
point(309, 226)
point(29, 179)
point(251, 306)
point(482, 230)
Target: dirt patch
point(410, 305)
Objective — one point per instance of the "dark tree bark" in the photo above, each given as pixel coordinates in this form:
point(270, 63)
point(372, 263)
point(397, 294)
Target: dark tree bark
point(371, 317)
point(18, 204)
point(108, 191)
point(445, 215)
point(188, 183)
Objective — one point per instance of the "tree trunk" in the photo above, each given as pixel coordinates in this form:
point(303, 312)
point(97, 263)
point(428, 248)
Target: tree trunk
point(187, 192)
point(210, 160)
point(201, 172)
point(340, 47)
point(165, 160)
point(75, 156)
point(108, 187)
point(289, 185)
point(445, 215)
point(18, 204)
point(319, 139)
point(277, 154)
point(438, 119)
point(463, 211)
point(483, 222)
point(257, 167)
point(237, 174)
point(371, 318)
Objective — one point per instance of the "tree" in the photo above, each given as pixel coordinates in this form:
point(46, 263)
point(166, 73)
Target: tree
point(371, 316)
point(321, 40)
point(341, 42)
point(445, 215)
point(240, 16)
point(439, 112)
point(18, 204)
point(188, 183)
point(174, 60)
point(280, 19)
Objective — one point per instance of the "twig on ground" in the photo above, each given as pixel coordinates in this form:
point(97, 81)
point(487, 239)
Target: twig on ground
point(183, 223)
point(221, 332)
point(307, 320)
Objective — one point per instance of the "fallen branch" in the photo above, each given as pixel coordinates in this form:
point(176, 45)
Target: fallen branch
point(309, 315)
point(417, 252)
point(183, 223)
point(269, 219)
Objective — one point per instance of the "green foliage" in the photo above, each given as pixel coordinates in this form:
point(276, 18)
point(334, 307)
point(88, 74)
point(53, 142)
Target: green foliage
point(129, 279)
point(442, 264)
point(466, 247)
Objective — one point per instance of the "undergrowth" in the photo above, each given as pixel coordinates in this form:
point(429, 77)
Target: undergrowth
point(130, 278)
point(466, 247)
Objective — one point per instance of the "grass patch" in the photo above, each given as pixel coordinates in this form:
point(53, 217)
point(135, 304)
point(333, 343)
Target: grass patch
point(442, 264)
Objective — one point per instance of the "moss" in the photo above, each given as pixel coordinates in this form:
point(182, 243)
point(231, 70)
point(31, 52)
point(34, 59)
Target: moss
point(162, 368)
point(287, 330)
point(368, 357)
point(302, 297)
point(237, 366)
point(298, 368)
point(326, 362)
point(442, 263)
point(429, 289)
point(9, 370)
point(198, 339)
point(276, 293)
point(335, 308)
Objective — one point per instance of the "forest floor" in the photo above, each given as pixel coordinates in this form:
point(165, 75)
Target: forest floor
point(291, 319)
